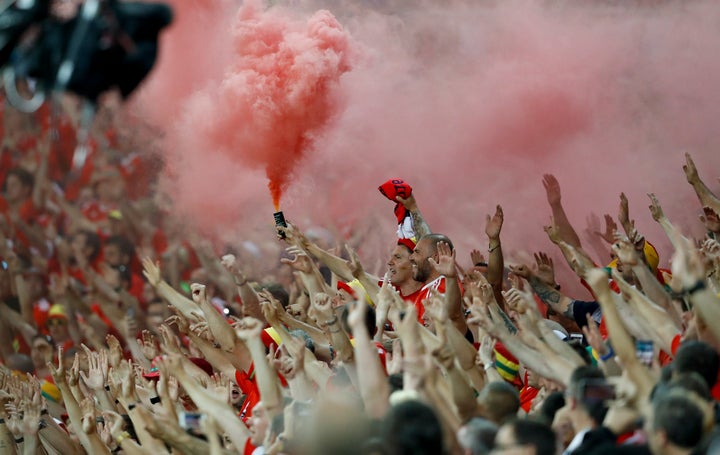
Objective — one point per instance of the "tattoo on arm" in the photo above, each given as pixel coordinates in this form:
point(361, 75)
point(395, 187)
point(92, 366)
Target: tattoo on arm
point(419, 224)
point(550, 296)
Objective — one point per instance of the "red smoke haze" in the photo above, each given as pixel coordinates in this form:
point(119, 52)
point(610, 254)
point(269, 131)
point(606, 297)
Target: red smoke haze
point(471, 102)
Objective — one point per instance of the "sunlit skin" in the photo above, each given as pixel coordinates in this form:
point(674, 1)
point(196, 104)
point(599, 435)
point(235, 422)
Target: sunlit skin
point(422, 270)
point(400, 271)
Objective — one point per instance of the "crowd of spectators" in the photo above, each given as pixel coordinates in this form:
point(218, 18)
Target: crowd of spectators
point(121, 331)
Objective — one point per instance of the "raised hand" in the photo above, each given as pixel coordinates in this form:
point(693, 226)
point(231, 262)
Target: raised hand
point(445, 265)
point(552, 189)
point(553, 231)
point(97, 371)
point(597, 279)
point(271, 308)
point(409, 203)
point(73, 374)
point(151, 270)
point(545, 268)
point(691, 172)
point(32, 410)
point(610, 228)
point(249, 329)
point(493, 225)
point(198, 292)
point(180, 322)
point(655, 208)
point(624, 212)
point(301, 262)
point(58, 373)
point(687, 263)
point(323, 307)
point(356, 317)
point(354, 263)
point(477, 257)
point(522, 270)
point(169, 342)
point(115, 352)
point(148, 345)
point(593, 337)
point(626, 253)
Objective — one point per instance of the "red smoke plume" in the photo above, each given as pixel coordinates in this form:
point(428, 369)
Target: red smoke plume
point(469, 101)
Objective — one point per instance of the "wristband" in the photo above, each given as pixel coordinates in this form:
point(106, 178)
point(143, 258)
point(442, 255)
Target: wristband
point(241, 284)
point(121, 437)
point(490, 250)
point(333, 331)
point(699, 286)
point(481, 264)
point(2, 421)
point(608, 356)
point(155, 400)
point(19, 440)
point(131, 406)
point(107, 388)
point(331, 322)
point(44, 412)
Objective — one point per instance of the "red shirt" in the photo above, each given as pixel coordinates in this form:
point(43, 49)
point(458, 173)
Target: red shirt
point(424, 293)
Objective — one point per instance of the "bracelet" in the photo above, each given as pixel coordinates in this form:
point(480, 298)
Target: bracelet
point(107, 388)
point(44, 412)
point(491, 249)
point(19, 440)
point(699, 286)
point(116, 449)
point(121, 437)
point(608, 356)
point(155, 400)
point(488, 366)
point(2, 421)
point(331, 322)
point(481, 264)
point(334, 331)
point(132, 406)
point(241, 284)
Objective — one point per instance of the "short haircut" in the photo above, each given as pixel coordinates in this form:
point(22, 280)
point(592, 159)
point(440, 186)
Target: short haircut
point(500, 401)
point(680, 418)
point(412, 427)
point(698, 357)
point(478, 436)
point(550, 406)
point(536, 434)
point(581, 374)
point(691, 382)
point(437, 238)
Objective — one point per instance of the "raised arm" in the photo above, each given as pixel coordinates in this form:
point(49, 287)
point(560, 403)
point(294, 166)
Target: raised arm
point(374, 388)
point(705, 196)
point(420, 226)
point(496, 265)
point(566, 231)
point(445, 266)
point(621, 340)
